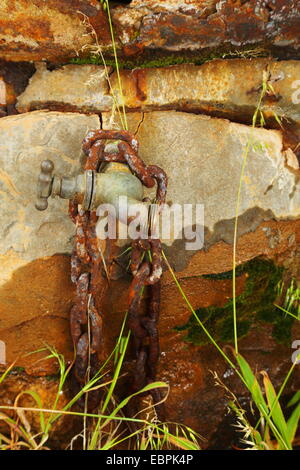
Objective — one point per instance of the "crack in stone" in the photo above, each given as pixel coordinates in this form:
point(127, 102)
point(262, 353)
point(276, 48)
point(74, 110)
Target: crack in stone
point(140, 123)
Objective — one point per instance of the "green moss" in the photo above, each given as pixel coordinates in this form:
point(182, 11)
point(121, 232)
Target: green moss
point(144, 61)
point(282, 329)
point(227, 274)
point(16, 370)
point(266, 315)
point(132, 64)
point(52, 378)
point(90, 59)
point(167, 61)
point(226, 330)
point(254, 306)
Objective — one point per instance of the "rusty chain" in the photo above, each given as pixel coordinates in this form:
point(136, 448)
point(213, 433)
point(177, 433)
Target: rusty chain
point(146, 267)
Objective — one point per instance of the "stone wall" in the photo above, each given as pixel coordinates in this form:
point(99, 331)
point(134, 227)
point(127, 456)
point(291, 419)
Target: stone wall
point(60, 29)
point(195, 122)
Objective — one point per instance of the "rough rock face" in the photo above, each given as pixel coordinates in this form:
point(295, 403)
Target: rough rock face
point(35, 30)
point(27, 140)
point(15, 388)
point(34, 305)
point(148, 26)
point(270, 189)
point(228, 88)
point(203, 157)
point(72, 87)
point(224, 88)
point(35, 288)
point(52, 30)
point(188, 6)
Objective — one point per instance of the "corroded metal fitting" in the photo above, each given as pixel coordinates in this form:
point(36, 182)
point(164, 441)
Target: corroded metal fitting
point(90, 188)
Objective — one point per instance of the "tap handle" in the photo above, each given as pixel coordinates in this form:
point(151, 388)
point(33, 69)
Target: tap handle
point(44, 186)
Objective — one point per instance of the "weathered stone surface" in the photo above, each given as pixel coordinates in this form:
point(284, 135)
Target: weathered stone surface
point(14, 391)
point(194, 399)
point(148, 26)
point(71, 88)
point(36, 292)
point(26, 140)
point(223, 88)
point(35, 30)
point(35, 287)
point(34, 312)
point(187, 6)
point(229, 88)
point(36, 296)
point(210, 153)
point(275, 240)
point(52, 30)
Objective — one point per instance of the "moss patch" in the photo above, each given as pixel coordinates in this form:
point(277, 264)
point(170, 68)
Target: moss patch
point(16, 370)
point(141, 63)
point(167, 60)
point(254, 305)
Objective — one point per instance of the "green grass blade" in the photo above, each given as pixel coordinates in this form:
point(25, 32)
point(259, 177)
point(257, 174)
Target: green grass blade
point(295, 399)
point(274, 406)
point(147, 388)
point(38, 401)
point(252, 383)
point(124, 123)
point(287, 312)
point(6, 372)
point(293, 423)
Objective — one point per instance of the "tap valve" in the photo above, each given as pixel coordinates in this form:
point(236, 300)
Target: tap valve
point(89, 188)
point(45, 182)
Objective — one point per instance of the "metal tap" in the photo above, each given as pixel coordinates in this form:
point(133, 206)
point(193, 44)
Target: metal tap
point(90, 189)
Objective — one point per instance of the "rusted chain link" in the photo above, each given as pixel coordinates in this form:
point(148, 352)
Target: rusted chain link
point(85, 319)
point(146, 261)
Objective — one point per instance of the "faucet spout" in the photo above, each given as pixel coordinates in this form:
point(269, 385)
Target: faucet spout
point(90, 189)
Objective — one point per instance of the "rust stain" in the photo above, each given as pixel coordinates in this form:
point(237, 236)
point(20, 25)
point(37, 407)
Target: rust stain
point(36, 29)
point(86, 273)
point(50, 30)
point(88, 7)
point(140, 78)
point(34, 311)
point(274, 23)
